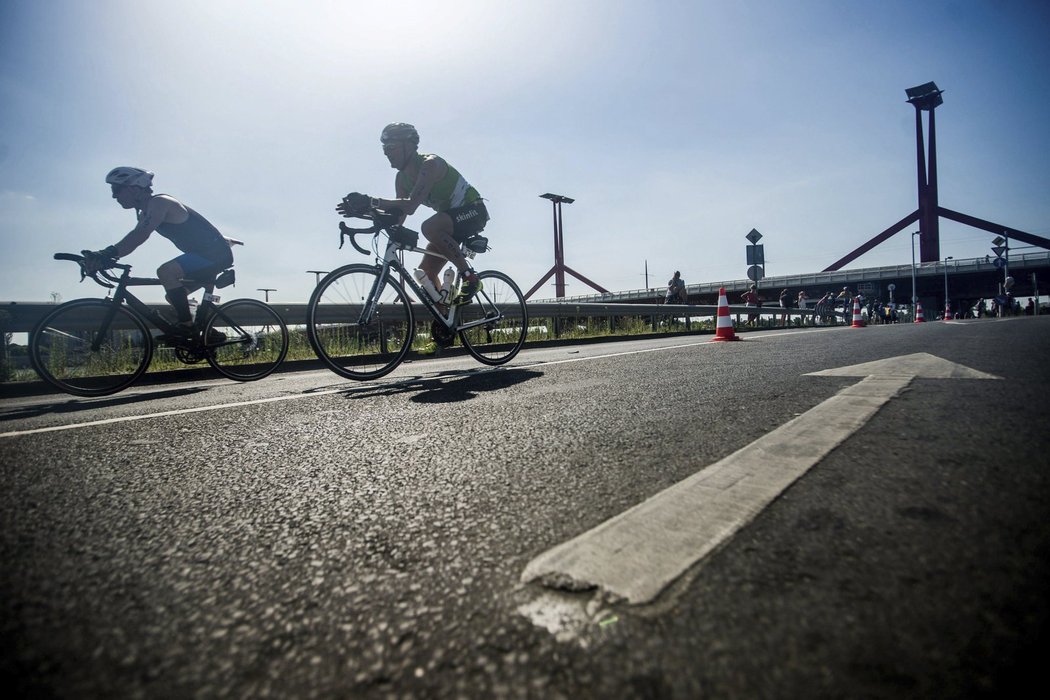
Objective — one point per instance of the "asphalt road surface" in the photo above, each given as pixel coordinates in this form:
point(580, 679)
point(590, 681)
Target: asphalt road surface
point(306, 536)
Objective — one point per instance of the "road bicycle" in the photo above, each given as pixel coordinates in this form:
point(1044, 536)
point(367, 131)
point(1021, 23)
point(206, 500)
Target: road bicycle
point(95, 347)
point(361, 322)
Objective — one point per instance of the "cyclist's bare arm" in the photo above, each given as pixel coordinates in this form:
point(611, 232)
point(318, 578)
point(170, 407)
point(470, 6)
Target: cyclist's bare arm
point(432, 170)
point(160, 209)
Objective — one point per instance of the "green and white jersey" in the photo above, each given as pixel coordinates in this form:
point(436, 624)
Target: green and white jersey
point(449, 192)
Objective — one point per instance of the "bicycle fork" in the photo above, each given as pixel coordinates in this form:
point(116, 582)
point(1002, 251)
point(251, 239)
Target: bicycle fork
point(107, 321)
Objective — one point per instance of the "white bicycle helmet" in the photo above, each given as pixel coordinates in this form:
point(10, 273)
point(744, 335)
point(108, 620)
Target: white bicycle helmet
point(133, 177)
point(399, 131)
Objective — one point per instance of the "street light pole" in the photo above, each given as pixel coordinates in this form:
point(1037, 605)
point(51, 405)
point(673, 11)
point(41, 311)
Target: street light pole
point(266, 291)
point(317, 275)
point(914, 294)
point(947, 304)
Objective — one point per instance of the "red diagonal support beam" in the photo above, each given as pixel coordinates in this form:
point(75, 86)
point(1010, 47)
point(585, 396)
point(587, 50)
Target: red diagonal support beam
point(991, 227)
point(882, 237)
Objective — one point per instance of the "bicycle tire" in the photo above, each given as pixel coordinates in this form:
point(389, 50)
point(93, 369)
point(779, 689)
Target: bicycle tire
point(347, 347)
point(60, 348)
point(497, 342)
point(255, 340)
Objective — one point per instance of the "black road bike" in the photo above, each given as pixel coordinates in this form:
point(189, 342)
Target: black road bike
point(361, 322)
point(95, 347)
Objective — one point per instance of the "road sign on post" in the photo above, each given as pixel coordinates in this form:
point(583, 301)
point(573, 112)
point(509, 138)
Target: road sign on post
point(756, 257)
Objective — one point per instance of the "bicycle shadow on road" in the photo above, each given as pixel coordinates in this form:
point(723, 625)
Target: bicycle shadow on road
point(449, 387)
point(88, 404)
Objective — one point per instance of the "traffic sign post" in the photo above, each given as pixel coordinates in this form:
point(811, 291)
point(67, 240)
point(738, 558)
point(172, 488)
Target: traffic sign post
point(756, 257)
point(1001, 248)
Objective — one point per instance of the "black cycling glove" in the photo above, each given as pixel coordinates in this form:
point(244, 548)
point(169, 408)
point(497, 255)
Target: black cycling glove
point(354, 204)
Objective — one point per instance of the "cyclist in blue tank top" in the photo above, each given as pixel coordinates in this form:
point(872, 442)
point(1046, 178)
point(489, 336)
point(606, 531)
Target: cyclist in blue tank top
point(205, 251)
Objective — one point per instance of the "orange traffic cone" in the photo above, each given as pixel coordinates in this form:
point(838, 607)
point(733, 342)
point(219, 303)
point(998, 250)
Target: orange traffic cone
point(724, 324)
point(947, 312)
point(919, 318)
point(858, 320)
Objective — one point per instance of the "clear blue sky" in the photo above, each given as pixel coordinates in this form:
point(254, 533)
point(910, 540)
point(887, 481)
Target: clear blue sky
point(677, 126)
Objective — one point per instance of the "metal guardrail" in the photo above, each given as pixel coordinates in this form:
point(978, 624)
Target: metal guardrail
point(22, 317)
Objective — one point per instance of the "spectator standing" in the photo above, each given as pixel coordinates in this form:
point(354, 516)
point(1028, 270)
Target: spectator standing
point(751, 298)
point(676, 290)
point(845, 297)
point(825, 307)
point(785, 304)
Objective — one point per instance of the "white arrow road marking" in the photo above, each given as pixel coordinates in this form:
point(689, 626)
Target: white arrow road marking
point(635, 555)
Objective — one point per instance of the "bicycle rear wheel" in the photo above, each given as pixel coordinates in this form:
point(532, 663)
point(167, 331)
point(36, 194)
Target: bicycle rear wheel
point(500, 301)
point(245, 340)
point(63, 348)
point(352, 346)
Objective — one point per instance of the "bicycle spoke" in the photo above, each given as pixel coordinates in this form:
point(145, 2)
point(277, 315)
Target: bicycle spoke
point(71, 350)
point(245, 340)
point(501, 306)
point(349, 344)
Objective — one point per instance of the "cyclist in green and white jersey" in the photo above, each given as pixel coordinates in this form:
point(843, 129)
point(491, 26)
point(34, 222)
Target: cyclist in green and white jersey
point(424, 179)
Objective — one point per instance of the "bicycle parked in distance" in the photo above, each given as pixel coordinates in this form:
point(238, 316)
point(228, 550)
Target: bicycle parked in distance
point(95, 347)
point(361, 322)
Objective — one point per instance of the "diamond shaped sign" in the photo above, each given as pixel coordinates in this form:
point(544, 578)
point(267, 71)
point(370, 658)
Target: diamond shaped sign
point(754, 236)
point(998, 240)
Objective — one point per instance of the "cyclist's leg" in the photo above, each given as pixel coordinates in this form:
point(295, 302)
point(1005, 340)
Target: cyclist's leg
point(438, 230)
point(170, 275)
point(184, 275)
point(468, 220)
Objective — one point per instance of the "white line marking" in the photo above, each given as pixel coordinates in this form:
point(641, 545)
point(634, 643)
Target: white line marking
point(161, 414)
point(349, 388)
point(635, 555)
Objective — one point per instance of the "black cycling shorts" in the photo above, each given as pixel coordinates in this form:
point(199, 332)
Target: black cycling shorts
point(468, 220)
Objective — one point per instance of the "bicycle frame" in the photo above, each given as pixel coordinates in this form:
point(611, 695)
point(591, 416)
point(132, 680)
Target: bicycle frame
point(391, 261)
point(122, 295)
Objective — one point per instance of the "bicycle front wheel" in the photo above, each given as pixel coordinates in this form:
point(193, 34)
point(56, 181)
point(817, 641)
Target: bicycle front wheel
point(245, 340)
point(71, 350)
point(354, 338)
point(501, 306)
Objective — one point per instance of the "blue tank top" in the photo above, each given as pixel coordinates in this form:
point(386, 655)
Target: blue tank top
point(197, 235)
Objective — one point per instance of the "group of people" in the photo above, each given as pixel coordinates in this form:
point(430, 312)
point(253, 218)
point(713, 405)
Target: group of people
point(422, 179)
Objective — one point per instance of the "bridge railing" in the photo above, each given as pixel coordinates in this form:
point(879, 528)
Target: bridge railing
point(839, 278)
point(22, 317)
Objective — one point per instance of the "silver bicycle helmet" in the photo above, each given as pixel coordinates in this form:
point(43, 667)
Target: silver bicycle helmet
point(133, 177)
point(399, 131)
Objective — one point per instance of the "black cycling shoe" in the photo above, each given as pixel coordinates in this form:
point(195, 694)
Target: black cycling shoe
point(181, 335)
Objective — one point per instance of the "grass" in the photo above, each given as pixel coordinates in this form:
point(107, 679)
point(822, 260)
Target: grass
point(540, 330)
